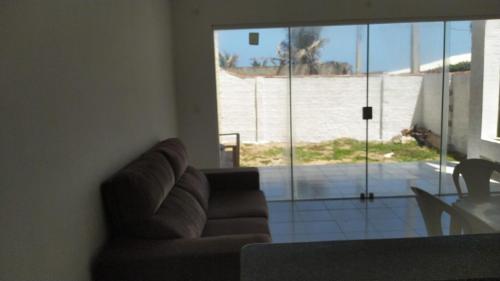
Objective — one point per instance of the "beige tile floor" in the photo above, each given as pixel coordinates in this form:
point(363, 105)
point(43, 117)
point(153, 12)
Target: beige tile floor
point(348, 180)
point(341, 219)
point(347, 217)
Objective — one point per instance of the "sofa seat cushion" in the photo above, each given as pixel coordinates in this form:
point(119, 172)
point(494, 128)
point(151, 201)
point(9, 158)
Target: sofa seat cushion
point(195, 182)
point(217, 227)
point(237, 203)
point(208, 258)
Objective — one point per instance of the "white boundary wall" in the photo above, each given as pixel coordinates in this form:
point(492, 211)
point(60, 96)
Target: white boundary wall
point(326, 108)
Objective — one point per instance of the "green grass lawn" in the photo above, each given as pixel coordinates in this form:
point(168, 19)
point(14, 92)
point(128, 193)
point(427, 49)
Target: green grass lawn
point(337, 151)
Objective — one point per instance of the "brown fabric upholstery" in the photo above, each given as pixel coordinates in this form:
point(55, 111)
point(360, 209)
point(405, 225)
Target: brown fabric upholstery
point(158, 207)
point(217, 227)
point(203, 259)
point(237, 203)
point(195, 182)
point(180, 216)
point(176, 153)
point(233, 178)
point(136, 192)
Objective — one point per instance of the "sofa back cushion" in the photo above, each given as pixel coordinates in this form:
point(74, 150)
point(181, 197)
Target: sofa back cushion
point(180, 216)
point(175, 152)
point(137, 191)
point(195, 182)
point(141, 200)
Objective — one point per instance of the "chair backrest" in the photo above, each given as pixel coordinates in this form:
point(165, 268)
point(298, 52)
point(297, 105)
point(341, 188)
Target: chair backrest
point(432, 209)
point(477, 174)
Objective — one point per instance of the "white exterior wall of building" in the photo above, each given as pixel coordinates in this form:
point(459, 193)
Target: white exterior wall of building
point(491, 80)
point(484, 91)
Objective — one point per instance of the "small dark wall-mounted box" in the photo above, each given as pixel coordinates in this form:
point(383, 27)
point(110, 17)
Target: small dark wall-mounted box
point(253, 38)
point(367, 113)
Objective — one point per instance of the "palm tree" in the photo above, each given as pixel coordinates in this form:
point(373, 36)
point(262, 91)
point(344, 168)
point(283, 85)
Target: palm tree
point(227, 60)
point(259, 62)
point(305, 45)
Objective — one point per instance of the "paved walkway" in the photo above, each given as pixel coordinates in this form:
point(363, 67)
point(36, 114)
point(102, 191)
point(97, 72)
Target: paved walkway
point(348, 180)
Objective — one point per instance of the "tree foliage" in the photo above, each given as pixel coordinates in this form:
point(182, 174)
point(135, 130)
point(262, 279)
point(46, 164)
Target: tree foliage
point(461, 66)
point(302, 49)
point(457, 67)
point(261, 62)
point(227, 60)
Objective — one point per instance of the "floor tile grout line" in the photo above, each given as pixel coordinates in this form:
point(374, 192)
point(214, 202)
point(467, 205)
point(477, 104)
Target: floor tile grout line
point(408, 226)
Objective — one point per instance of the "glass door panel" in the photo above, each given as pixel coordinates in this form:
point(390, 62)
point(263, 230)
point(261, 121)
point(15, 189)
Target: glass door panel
point(405, 92)
point(328, 90)
point(290, 102)
point(253, 99)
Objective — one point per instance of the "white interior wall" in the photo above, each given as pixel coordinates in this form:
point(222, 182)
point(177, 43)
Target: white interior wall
point(85, 87)
point(194, 21)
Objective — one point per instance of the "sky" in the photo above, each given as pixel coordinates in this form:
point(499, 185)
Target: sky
point(389, 43)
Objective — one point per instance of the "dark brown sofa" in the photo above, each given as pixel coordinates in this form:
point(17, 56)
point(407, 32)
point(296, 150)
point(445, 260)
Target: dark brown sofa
point(169, 221)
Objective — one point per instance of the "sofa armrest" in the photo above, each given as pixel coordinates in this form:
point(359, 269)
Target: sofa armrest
point(206, 258)
point(233, 178)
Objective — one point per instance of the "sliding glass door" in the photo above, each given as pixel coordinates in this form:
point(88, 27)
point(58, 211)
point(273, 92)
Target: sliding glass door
point(328, 90)
point(405, 93)
point(348, 110)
